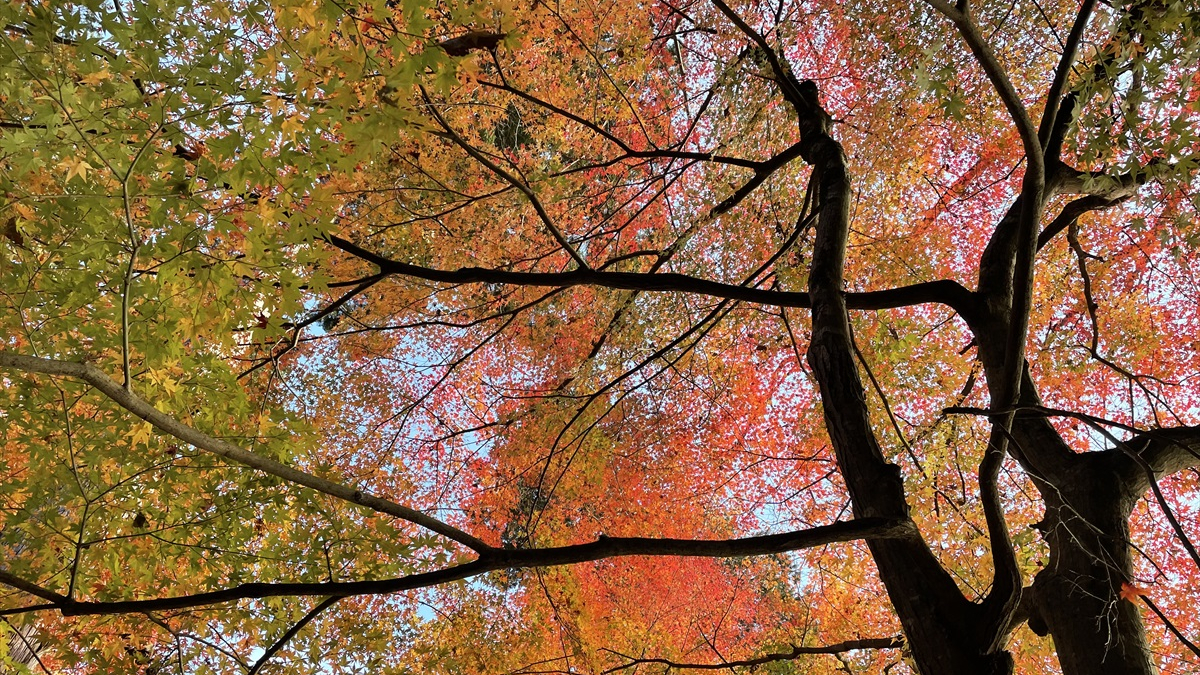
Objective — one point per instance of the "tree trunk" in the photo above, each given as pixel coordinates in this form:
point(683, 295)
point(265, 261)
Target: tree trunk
point(945, 631)
point(1077, 596)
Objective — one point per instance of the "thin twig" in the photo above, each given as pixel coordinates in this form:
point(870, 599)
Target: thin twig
point(887, 407)
point(291, 633)
point(509, 178)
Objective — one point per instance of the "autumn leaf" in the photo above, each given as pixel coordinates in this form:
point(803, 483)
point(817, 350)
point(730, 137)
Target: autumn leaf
point(306, 12)
point(1131, 592)
point(141, 434)
point(598, 337)
point(75, 167)
point(290, 126)
point(95, 77)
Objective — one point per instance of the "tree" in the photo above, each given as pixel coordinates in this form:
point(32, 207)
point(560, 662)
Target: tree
point(491, 337)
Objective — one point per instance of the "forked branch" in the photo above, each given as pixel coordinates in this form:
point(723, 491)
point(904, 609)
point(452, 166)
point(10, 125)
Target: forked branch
point(478, 156)
point(291, 633)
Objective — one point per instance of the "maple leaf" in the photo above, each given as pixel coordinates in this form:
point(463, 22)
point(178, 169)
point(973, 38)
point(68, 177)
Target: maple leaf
point(75, 167)
point(1131, 592)
point(96, 77)
point(290, 126)
point(140, 434)
point(307, 13)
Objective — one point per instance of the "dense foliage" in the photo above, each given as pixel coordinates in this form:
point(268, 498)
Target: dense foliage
point(573, 337)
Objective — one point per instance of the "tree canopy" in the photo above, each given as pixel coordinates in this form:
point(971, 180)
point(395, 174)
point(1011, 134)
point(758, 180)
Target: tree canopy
point(459, 336)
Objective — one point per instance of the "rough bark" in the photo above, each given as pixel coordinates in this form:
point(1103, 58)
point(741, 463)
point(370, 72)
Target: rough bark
point(1077, 595)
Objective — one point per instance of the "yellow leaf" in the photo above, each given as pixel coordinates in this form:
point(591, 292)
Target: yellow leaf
point(75, 167)
point(162, 377)
point(93, 79)
point(290, 126)
point(265, 210)
point(140, 434)
point(307, 14)
point(274, 104)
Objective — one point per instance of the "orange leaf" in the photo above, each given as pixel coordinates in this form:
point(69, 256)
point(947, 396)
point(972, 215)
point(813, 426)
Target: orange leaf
point(1130, 592)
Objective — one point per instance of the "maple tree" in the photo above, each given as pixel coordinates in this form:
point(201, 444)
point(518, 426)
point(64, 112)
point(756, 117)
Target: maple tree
point(596, 338)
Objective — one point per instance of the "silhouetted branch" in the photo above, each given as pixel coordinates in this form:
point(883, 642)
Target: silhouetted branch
point(9, 579)
point(947, 292)
point(1070, 214)
point(796, 652)
point(627, 151)
point(1171, 626)
point(761, 173)
point(497, 559)
point(1055, 94)
point(291, 633)
point(510, 179)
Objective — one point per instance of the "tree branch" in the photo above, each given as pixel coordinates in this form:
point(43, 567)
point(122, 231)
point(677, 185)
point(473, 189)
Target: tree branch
point(31, 648)
point(1151, 477)
point(1015, 304)
point(1171, 626)
point(796, 652)
point(761, 173)
point(779, 68)
point(1002, 601)
point(1007, 386)
point(1168, 451)
point(14, 581)
point(627, 152)
point(917, 583)
point(291, 633)
point(1066, 61)
point(169, 425)
point(510, 179)
point(497, 559)
point(987, 60)
point(946, 292)
point(1070, 214)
